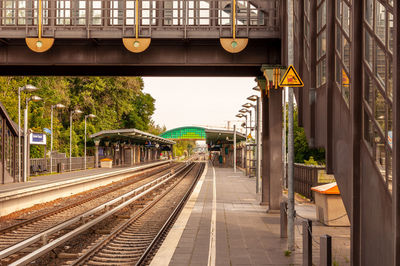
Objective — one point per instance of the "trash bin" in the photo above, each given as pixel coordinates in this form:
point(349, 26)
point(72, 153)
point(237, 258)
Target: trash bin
point(60, 167)
point(329, 205)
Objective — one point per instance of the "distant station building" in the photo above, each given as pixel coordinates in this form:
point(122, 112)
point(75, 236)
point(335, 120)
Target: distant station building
point(219, 142)
point(129, 146)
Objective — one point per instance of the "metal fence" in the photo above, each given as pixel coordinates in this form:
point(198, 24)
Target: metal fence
point(41, 165)
point(306, 177)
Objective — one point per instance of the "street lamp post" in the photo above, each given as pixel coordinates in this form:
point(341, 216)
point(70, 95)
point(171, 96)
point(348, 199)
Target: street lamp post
point(27, 88)
point(86, 117)
point(26, 151)
point(243, 111)
point(57, 106)
point(77, 111)
point(257, 126)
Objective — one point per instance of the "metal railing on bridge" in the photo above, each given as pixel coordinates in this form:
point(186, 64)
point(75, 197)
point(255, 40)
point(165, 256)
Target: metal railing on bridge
point(157, 19)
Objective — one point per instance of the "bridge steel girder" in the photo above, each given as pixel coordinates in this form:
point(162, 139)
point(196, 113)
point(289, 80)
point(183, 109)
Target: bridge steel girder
point(162, 58)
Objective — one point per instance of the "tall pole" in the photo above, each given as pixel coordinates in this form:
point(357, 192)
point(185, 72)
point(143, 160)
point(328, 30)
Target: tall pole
point(284, 138)
point(234, 148)
point(51, 141)
point(26, 144)
point(85, 143)
point(245, 149)
point(19, 134)
point(290, 175)
point(70, 141)
point(258, 144)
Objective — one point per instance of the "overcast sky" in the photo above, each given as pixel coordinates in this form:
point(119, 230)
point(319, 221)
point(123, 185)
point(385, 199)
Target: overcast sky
point(198, 101)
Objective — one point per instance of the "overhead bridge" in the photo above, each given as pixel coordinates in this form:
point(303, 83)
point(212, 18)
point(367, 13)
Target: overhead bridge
point(139, 37)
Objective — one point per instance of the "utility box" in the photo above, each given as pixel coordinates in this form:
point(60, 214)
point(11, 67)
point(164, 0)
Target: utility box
point(329, 205)
point(106, 163)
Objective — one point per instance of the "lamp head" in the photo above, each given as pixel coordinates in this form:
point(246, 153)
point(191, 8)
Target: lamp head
point(243, 110)
point(29, 88)
point(77, 111)
point(35, 98)
point(252, 98)
point(59, 106)
point(257, 88)
point(91, 116)
point(247, 105)
point(239, 115)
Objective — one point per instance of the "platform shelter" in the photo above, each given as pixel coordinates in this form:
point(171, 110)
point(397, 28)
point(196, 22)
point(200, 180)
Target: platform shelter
point(130, 146)
point(220, 142)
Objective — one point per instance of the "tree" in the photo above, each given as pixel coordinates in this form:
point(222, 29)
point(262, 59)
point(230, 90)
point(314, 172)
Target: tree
point(118, 102)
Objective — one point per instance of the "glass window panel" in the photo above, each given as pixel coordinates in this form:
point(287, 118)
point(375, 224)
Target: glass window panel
point(321, 16)
point(380, 109)
point(345, 87)
point(130, 12)
point(390, 125)
point(338, 72)
point(338, 40)
point(346, 18)
point(389, 89)
point(21, 12)
point(9, 12)
point(368, 48)
point(380, 15)
point(380, 64)
point(380, 154)
point(346, 54)
point(369, 7)
point(321, 44)
point(321, 72)
point(368, 89)
point(390, 32)
point(389, 170)
point(368, 130)
point(96, 12)
point(82, 13)
point(339, 10)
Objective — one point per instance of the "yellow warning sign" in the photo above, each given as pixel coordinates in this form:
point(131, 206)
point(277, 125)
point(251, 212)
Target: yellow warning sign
point(291, 78)
point(249, 136)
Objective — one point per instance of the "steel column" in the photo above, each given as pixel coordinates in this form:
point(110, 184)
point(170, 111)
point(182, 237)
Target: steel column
point(356, 125)
point(396, 136)
point(265, 185)
point(274, 157)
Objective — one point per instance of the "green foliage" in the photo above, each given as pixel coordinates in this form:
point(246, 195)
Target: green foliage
point(301, 150)
point(118, 102)
point(287, 253)
point(183, 147)
point(311, 161)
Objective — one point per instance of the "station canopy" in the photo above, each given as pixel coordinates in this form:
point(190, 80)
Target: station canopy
point(211, 136)
point(132, 135)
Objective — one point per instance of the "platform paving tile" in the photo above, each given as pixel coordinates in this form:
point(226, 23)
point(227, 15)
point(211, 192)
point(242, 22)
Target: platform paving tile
point(245, 233)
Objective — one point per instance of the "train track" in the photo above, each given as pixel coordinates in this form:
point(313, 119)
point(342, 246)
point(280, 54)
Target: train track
point(37, 231)
point(50, 239)
point(134, 242)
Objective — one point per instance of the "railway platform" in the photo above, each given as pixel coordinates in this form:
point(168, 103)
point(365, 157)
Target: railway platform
point(223, 224)
point(17, 196)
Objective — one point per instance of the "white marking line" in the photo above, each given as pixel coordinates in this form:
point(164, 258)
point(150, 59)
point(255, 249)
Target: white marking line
point(167, 249)
point(213, 233)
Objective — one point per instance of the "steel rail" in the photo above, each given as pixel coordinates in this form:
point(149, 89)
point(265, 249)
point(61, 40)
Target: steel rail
point(45, 215)
point(170, 220)
point(123, 226)
point(21, 245)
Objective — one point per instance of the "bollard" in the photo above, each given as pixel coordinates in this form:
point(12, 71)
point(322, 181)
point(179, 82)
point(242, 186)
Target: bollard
point(307, 244)
point(325, 250)
point(283, 219)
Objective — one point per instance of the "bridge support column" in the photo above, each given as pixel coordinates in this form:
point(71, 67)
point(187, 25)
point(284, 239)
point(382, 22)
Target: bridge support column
point(272, 171)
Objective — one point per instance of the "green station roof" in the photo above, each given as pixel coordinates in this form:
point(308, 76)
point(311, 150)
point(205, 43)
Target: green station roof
point(201, 133)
